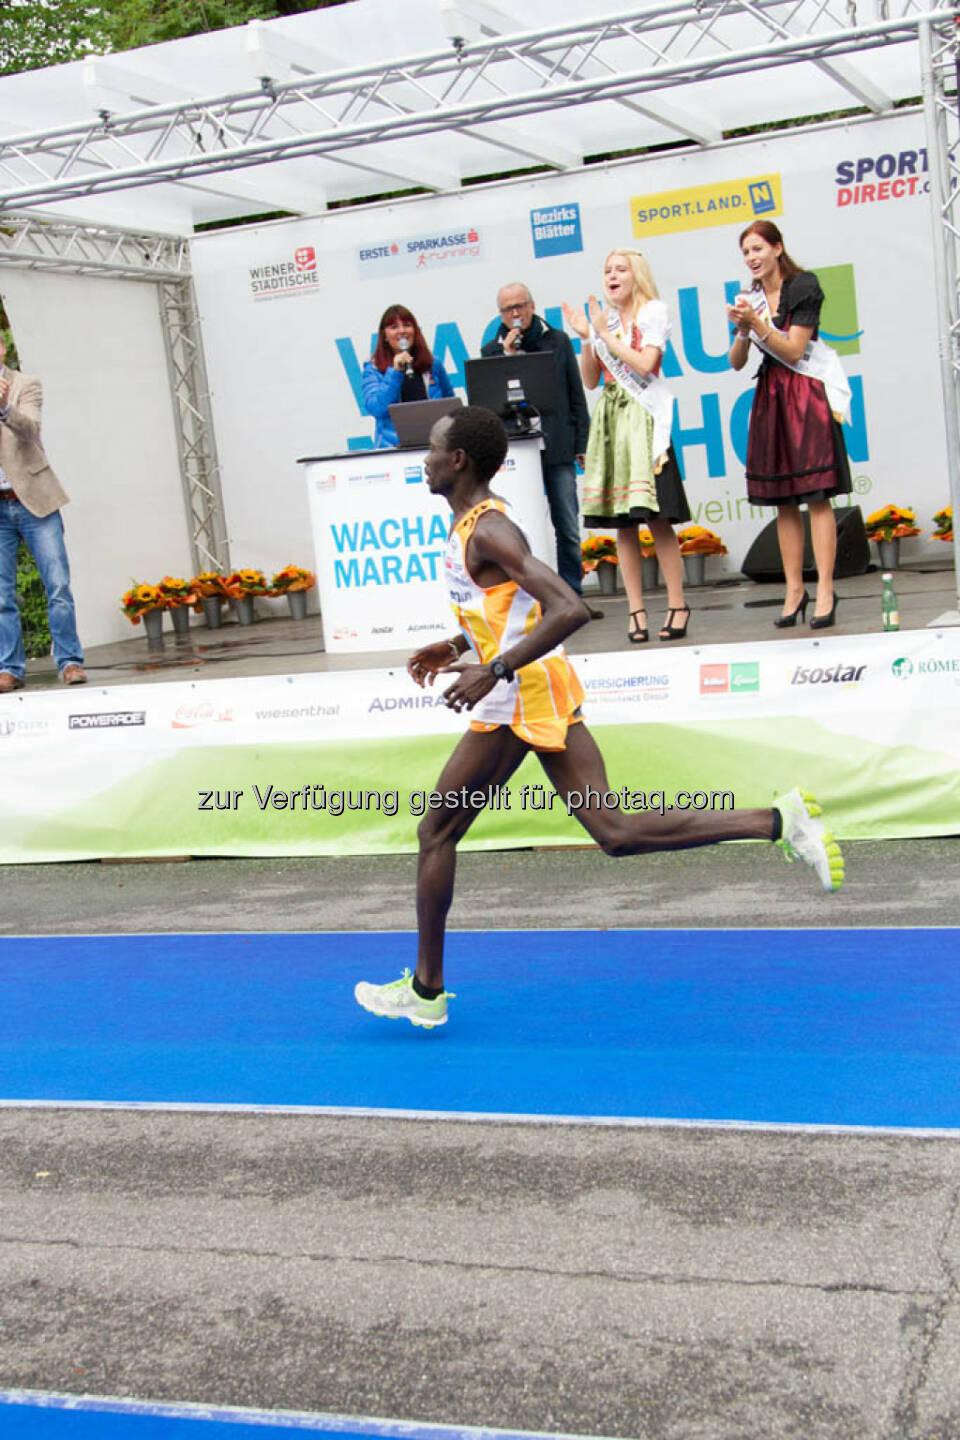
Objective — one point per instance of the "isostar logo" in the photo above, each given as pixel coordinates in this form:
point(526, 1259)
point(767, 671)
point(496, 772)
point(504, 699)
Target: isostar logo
point(714, 679)
point(871, 178)
point(556, 230)
point(839, 674)
point(437, 250)
point(189, 717)
point(107, 720)
point(297, 275)
point(727, 202)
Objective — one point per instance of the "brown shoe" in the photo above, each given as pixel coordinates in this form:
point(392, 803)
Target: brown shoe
point(74, 675)
point(10, 682)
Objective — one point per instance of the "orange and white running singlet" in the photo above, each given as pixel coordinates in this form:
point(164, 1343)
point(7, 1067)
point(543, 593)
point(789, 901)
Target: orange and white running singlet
point(541, 700)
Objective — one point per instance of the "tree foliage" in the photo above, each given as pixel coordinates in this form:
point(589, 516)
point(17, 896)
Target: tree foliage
point(34, 33)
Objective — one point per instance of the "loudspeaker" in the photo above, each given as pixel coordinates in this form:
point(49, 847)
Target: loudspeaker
point(763, 563)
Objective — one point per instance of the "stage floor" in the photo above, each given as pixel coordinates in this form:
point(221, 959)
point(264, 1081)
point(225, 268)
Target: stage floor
point(730, 610)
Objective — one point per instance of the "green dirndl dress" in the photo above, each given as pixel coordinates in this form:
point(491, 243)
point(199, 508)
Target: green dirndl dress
point(621, 485)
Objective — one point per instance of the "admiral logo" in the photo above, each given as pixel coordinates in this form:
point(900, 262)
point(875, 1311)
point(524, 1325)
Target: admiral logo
point(298, 276)
point(188, 717)
point(107, 720)
point(407, 702)
point(438, 250)
point(870, 178)
point(556, 230)
point(839, 674)
point(418, 629)
point(714, 679)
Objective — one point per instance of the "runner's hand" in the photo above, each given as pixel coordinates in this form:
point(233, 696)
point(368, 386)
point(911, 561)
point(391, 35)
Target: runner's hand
point(473, 682)
point(424, 665)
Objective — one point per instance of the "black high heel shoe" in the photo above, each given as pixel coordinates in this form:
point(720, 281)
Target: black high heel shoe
point(785, 622)
point(826, 622)
point(638, 634)
point(675, 632)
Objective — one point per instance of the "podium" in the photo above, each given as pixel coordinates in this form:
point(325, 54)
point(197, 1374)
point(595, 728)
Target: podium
point(379, 538)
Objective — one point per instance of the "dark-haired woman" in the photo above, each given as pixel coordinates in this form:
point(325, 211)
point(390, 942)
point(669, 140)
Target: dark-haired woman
point(402, 368)
point(795, 452)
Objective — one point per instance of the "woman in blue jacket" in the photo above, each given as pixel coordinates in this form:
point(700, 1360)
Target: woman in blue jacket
point(402, 368)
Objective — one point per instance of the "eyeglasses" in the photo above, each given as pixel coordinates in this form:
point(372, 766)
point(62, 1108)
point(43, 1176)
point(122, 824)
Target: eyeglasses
point(512, 309)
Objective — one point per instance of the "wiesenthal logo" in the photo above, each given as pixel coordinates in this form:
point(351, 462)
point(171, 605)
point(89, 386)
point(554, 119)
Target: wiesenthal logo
point(839, 674)
point(727, 202)
point(556, 230)
point(298, 276)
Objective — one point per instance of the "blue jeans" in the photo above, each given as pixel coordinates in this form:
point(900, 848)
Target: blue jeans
point(44, 540)
point(560, 483)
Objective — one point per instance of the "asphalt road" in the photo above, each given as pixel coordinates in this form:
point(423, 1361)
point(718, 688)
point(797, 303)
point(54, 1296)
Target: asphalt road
point(664, 1284)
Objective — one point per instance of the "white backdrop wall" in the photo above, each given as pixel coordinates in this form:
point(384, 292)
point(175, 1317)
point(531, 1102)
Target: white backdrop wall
point(108, 428)
point(289, 310)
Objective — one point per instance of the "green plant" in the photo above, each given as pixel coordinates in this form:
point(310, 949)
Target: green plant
point(32, 599)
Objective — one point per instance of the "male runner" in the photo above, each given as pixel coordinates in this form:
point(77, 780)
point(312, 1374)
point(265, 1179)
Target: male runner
point(523, 694)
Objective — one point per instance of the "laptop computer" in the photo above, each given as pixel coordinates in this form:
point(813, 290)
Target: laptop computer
point(414, 420)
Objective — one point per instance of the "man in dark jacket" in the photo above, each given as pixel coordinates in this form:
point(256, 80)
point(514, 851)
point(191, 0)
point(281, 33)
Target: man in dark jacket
point(564, 432)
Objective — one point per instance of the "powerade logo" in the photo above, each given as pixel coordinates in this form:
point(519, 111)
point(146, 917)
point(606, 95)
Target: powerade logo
point(436, 250)
point(298, 276)
point(726, 202)
point(556, 230)
point(872, 178)
point(103, 720)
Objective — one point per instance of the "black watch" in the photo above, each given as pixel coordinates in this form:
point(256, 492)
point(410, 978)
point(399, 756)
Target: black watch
point(500, 670)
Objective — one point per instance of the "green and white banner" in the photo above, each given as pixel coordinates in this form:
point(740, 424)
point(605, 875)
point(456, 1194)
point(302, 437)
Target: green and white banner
point(345, 763)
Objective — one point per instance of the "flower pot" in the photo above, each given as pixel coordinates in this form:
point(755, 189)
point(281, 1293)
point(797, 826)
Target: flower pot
point(693, 568)
point(889, 554)
point(651, 573)
point(180, 619)
point(153, 624)
point(607, 578)
point(212, 611)
point(297, 600)
point(243, 605)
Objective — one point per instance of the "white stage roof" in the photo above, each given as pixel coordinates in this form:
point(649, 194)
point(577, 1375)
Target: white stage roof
point(372, 97)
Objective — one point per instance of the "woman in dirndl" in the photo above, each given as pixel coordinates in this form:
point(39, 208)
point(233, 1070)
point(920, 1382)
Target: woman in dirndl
point(631, 474)
point(795, 452)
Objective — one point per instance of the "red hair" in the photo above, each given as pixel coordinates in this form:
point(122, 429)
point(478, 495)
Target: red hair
point(420, 351)
point(769, 232)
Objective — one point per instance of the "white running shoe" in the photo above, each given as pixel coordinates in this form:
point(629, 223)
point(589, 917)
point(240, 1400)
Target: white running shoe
point(805, 837)
point(399, 1001)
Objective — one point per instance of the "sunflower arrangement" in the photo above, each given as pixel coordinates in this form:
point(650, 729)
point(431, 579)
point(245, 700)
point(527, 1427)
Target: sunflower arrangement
point(647, 545)
point(696, 540)
point(596, 548)
point(208, 585)
point(177, 592)
point(292, 577)
point(246, 582)
point(944, 523)
point(893, 522)
point(141, 598)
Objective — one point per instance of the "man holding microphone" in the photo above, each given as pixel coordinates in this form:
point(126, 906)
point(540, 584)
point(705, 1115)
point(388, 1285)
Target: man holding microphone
point(564, 432)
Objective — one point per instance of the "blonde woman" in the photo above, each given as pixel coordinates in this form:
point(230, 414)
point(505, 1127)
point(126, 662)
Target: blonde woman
point(632, 477)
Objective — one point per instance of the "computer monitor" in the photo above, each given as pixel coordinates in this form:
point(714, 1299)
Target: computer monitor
point(414, 420)
point(519, 388)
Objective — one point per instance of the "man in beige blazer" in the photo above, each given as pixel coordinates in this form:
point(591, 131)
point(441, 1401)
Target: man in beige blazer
point(30, 501)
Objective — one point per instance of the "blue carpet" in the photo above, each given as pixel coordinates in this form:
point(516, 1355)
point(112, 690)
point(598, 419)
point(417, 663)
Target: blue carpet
point(826, 1027)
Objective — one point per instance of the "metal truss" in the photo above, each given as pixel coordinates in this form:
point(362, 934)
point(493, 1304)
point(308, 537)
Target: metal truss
point(940, 66)
point(37, 244)
point(196, 445)
point(619, 58)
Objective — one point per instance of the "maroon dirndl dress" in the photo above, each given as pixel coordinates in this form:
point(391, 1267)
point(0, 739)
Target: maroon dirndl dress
point(795, 451)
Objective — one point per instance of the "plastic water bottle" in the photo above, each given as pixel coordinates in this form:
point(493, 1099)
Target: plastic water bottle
point(889, 606)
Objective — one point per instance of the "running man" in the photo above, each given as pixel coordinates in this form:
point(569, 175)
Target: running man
point(523, 694)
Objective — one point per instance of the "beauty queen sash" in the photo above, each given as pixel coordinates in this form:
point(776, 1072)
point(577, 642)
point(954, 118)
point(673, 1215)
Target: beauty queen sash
point(648, 390)
point(818, 360)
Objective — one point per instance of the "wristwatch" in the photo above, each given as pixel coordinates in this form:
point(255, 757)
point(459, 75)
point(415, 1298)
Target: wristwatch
point(500, 670)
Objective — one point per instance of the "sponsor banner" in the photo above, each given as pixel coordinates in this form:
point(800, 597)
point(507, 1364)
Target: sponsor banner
point(428, 252)
point(299, 764)
point(727, 202)
point(556, 230)
point(295, 274)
